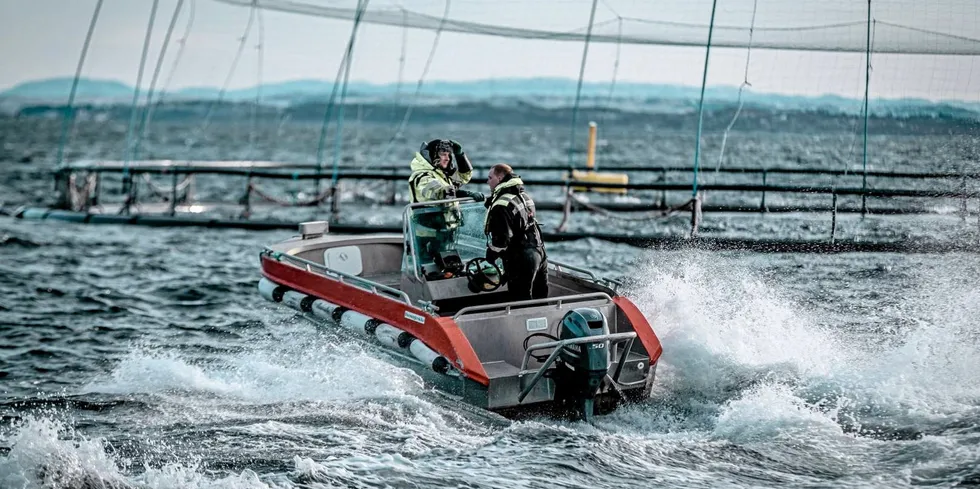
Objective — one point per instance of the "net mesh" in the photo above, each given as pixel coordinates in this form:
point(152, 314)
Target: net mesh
point(901, 26)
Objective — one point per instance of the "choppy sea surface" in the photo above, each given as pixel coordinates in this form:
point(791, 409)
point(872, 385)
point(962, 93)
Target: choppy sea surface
point(143, 357)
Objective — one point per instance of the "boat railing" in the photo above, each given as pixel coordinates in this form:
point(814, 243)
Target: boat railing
point(506, 307)
point(589, 274)
point(612, 338)
point(342, 277)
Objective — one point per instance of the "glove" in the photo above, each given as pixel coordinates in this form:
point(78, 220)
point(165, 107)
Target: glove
point(473, 195)
point(492, 256)
point(457, 148)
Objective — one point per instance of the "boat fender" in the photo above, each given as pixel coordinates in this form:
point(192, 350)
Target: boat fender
point(355, 321)
point(271, 290)
point(429, 357)
point(306, 305)
point(293, 299)
point(440, 365)
point(323, 309)
point(405, 339)
point(371, 326)
point(388, 335)
point(338, 314)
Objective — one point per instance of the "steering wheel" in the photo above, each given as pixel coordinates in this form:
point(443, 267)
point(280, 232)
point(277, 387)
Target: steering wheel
point(479, 279)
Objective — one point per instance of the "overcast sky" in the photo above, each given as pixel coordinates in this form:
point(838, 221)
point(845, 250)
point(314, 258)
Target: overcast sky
point(43, 39)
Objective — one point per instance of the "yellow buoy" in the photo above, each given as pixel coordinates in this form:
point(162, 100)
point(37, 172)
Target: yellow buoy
point(591, 176)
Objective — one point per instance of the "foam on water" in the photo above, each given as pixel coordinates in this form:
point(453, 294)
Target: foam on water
point(743, 363)
point(930, 375)
point(48, 454)
point(724, 330)
point(770, 412)
point(45, 453)
point(304, 372)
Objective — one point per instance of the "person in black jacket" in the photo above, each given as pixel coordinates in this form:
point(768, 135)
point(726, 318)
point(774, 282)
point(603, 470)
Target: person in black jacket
point(513, 235)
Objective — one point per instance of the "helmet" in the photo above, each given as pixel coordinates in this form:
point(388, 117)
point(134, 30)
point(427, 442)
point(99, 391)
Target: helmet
point(437, 146)
point(444, 145)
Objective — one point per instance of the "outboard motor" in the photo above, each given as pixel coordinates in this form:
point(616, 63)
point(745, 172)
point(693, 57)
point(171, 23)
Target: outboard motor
point(580, 369)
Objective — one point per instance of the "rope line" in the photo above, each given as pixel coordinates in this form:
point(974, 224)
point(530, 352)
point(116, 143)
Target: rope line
point(361, 7)
point(141, 132)
point(650, 216)
point(578, 88)
point(259, 48)
point(231, 71)
point(164, 192)
point(418, 86)
point(136, 89)
point(68, 122)
point(741, 88)
point(328, 113)
point(181, 43)
point(317, 199)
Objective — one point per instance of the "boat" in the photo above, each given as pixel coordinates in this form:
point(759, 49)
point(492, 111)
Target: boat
point(446, 311)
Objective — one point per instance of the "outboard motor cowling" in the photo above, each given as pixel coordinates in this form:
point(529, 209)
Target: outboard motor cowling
point(581, 368)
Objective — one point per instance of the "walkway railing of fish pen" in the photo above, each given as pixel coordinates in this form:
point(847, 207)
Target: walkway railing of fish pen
point(82, 187)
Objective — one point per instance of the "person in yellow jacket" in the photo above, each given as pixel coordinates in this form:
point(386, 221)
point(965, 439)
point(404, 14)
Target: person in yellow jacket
point(439, 169)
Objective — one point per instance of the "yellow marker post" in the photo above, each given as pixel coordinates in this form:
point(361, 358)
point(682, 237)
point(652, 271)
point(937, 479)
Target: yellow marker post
point(590, 158)
point(591, 176)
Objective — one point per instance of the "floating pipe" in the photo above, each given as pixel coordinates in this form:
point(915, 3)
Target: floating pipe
point(388, 335)
point(428, 356)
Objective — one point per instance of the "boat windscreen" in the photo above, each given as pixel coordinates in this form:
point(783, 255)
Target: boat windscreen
point(445, 228)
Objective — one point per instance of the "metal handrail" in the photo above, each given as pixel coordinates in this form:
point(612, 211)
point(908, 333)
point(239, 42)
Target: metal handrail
point(361, 282)
point(613, 338)
point(558, 266)
point(533, 302)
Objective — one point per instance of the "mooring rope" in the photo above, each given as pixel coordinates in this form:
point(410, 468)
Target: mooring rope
point(165, 192)
point(649, 216)
point(322, 196)
point(79, 195)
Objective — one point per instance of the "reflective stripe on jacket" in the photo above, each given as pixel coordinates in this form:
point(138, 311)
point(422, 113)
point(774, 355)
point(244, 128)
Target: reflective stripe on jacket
point(511, 219)
point(428, 183)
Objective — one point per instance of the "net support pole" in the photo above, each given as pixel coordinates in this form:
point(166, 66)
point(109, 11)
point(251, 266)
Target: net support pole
point(697, 143)
point(833, 218)
point(349, 55)
point(66, 123)
point(136, 91)
point(578, 88)
point(867, 84)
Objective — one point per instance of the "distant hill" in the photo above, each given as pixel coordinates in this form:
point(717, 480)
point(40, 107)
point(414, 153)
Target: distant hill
point(549, 92)
point(53, 89)
point(56, 90)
